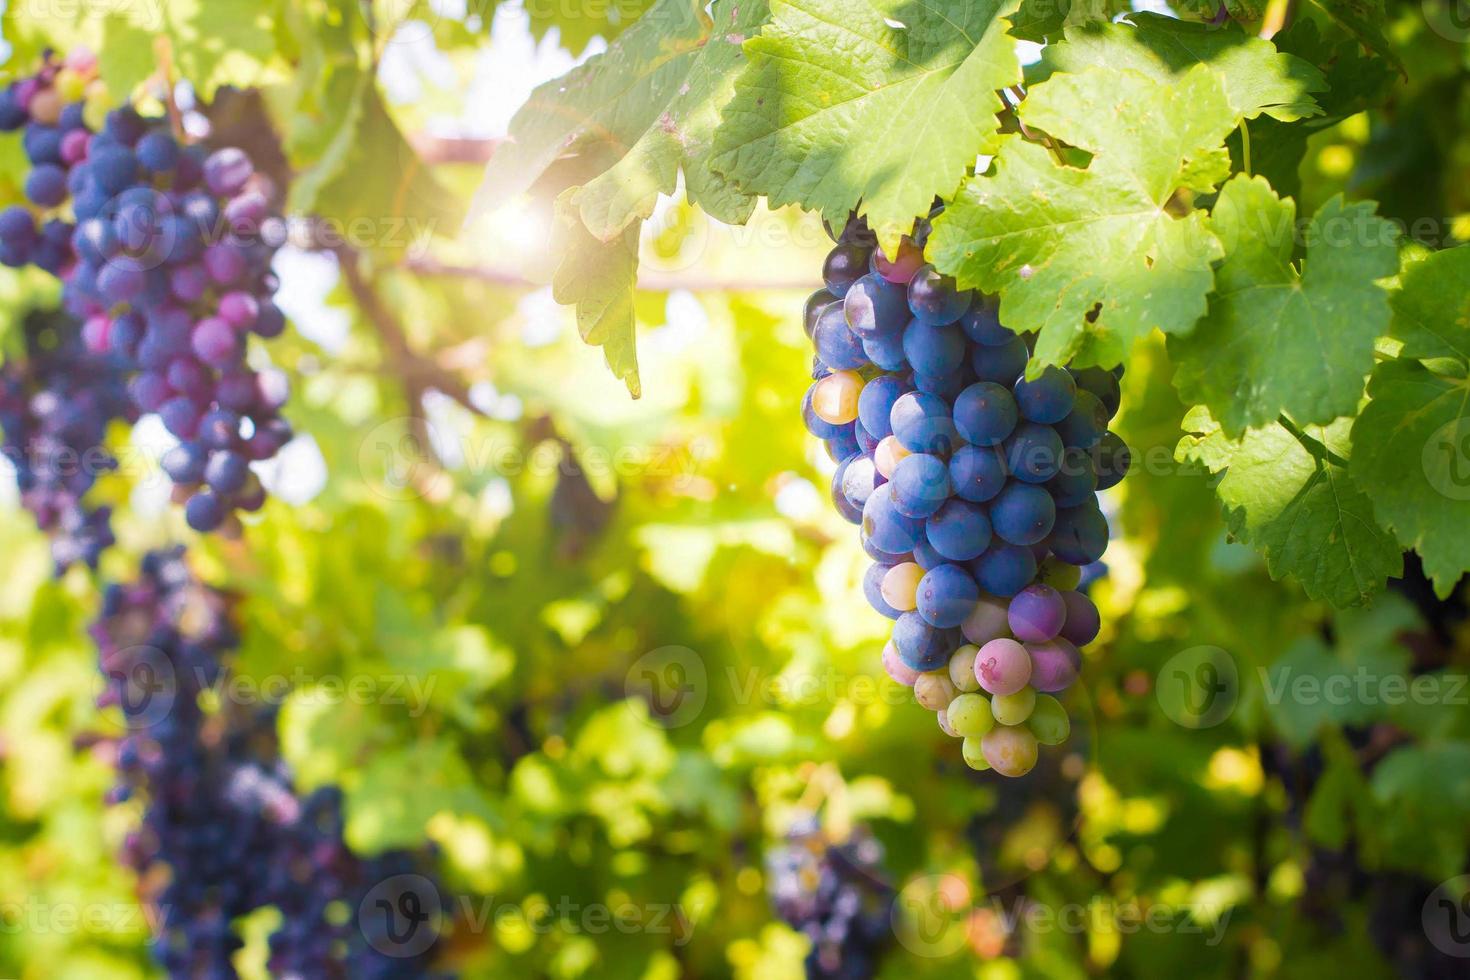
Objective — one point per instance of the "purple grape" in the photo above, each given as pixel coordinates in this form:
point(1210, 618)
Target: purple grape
point(226, 171)
point(922, 646)
point(873, 591)
point(946, 595)
point(226, 472)
point(1001, 364)
point(888, 530)
point(922, 423)
point(1033, 452)
point(215, 342)
point(1111, 459)
point(1082, 622)
point(204, 511)
point(839, 348)
point(225, 263)
point(1081, 534)
point(937, 351)
point(1055, 665)
point(1004, 569)
point(184, 463)
point(933, 298)
point(1048, 398)
point(46, 185)
point(982, 324)
point(180, 416)
point(1036, 613)
point(875, 403)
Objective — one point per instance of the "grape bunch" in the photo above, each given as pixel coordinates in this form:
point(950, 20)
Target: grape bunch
point(56, 403)
point(164, 251)
point(223, 830)
point(835, 895)
point(975, 488)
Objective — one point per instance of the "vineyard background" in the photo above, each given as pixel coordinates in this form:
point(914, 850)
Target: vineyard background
point(483, 563)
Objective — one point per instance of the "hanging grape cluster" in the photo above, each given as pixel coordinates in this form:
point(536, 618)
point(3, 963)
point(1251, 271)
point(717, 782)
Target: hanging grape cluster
point(164, 251)
point(835, 895)
point(223, 831)
point(56, 402)
point(975, 488)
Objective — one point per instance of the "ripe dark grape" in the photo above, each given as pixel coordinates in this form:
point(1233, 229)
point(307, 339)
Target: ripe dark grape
point(977, 491)
point(224, 832)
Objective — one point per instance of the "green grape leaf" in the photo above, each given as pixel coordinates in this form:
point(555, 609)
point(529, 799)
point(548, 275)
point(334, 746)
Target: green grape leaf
point(1362, 19)
point(368, 182)
point(682, 133)
point(1040, 20)
point(598, 278)
point(577, 24)
point(1312, 687)
point(877, 106)
point(1293, 500)
point(1413, 461)
point(212, 44)
point(1255, 76)
point(1093, 257)
point(603, 106)
point(1281, 340)
point(1431, 309)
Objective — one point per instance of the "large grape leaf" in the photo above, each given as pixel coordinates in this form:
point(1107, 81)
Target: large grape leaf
point(1289, 495)
point(602, 107)
point(1431, 309)
point(1413, 461)
point(682, 134)
point(1094, 257)
point(598, 278)
point(1255, 76)
point(1279, 339)
point(878, 105)
point(367, 182)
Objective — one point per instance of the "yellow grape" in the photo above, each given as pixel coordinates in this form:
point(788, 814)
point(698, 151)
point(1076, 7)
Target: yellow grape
point(1014, 709)
point(962, 668)
point(1010, 751)
point(900, 586)
point(887, 455)
point(835, 397)
point(933, 690)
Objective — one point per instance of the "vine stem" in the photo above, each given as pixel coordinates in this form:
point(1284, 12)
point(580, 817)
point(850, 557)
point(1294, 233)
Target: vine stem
point(1279, 15)
point(1314, 446)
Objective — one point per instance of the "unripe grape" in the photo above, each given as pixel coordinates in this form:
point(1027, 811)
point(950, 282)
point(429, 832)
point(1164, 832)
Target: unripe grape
point(962, 668)
point(1036, 613)
point(1058, 574)
point(1010, 751)
point(1048, 721)
point(1003, 666)
point(971, 715)
point(987, 621)
point(972, 749)
point(886, 457)
point(834, 399)
point(901, 672)
point(944, 725)
point(1014, 709)
point(933, 690)
point(901, 585)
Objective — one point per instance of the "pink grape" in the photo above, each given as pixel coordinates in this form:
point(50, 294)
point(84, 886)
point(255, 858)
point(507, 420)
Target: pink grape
point(1083, 621)
point(1054, 665)
point(1003, 666)
point(901, 672)
point(1036, 613)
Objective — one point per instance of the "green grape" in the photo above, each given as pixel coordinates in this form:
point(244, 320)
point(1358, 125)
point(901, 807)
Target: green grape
point(974, 755)
point(970, 715)
point(1014, 709)
point(962, 668)
point(1058, 574)
point(1048, 721)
